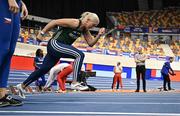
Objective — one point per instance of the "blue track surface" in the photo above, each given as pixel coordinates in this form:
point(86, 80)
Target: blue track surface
point(91, 103)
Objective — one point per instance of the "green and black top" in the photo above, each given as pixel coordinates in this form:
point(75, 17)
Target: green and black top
point(67, 35)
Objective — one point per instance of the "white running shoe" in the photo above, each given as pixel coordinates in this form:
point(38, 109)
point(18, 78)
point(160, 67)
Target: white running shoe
point(21, 91)
point(79, 86)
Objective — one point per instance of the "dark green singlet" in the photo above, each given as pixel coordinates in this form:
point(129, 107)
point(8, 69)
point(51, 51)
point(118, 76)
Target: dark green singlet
point(67, 35)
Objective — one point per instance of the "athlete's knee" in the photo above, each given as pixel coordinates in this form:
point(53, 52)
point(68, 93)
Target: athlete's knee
point(11, 52)
point(3, 82)
point(3, 55)
point(52, 71)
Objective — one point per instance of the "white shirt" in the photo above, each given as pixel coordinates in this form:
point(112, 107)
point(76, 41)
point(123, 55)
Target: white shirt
point(118, 69)
point(60, 67)
point(140, 59)
point(54, 72)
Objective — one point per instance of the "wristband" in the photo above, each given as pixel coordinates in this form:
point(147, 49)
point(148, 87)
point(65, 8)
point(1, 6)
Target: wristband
point(42, 33)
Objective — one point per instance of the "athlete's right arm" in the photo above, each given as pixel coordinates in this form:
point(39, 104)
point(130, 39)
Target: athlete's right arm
point(114, 69)
point(72, 23)
point(135, 58)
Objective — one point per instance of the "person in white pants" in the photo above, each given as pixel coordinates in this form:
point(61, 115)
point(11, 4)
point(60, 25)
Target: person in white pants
point(54, 72)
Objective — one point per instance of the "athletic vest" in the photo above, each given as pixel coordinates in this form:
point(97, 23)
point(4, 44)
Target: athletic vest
point(118, 69)
point(67, 35)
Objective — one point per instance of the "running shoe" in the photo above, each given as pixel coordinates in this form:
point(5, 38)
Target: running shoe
point(21, 91)
point(79, 86)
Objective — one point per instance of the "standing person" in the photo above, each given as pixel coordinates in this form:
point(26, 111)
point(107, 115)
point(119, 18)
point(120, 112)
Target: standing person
point(165, 71)
point(140, 59)
point(38, 61)
point(60, 46)
point(117, 76)
point(9, 32)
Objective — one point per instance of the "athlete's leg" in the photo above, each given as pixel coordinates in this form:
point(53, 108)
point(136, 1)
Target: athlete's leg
point(138, 78)
point(114, 81)
point(67, 51)
point(169, 82)
point(6, 27)
point(120, 80)
point(10, 26)
point(62, 77)
point(15, 34)
point(48, 63)
point(52, 76)
point(43, 82)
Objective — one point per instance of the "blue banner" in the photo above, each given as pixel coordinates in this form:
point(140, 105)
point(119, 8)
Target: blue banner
point(112, 52)
point(169, 30)
point(139, 30)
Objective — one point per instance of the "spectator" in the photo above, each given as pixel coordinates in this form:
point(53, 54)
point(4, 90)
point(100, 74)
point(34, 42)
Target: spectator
point(117, 76)
point(140, 59)
point(165, 71)
point(38, 61)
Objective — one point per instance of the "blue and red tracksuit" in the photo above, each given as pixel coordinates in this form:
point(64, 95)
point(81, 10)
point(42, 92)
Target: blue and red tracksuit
point(165, 71)
point(9, 32)
point(38, 61)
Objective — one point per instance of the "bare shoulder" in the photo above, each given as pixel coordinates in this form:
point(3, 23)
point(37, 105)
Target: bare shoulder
point(72, 20)
point(68, 22)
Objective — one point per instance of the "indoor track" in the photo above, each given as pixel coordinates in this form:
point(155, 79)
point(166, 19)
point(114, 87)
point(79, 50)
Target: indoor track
point(99, 103)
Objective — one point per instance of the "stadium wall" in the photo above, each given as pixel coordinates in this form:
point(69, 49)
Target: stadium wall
point(102, 64)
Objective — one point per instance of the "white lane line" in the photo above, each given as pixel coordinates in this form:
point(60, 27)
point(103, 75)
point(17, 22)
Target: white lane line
point(99, 95)
point(92, 113)
point(17, 75)
point(112, 103)
point(18, 72)
point(21, 71)
point(15, 79)
point(26, 74)
point(131, 82)
point(16, 82)
point(107, 98)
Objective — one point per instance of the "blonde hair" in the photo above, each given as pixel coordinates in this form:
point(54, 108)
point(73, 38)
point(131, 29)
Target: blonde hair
point(91, 16)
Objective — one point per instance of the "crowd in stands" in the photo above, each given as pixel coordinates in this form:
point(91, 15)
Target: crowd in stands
point(122, 45)
point(167, 18)
point(175, 46)
point(125, 44)
point(28, 35)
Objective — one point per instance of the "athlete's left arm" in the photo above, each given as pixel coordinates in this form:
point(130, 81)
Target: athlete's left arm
point(89, 38)
point(144, 58)
point(114, 69)
point(169, 67)
point(172, 71)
